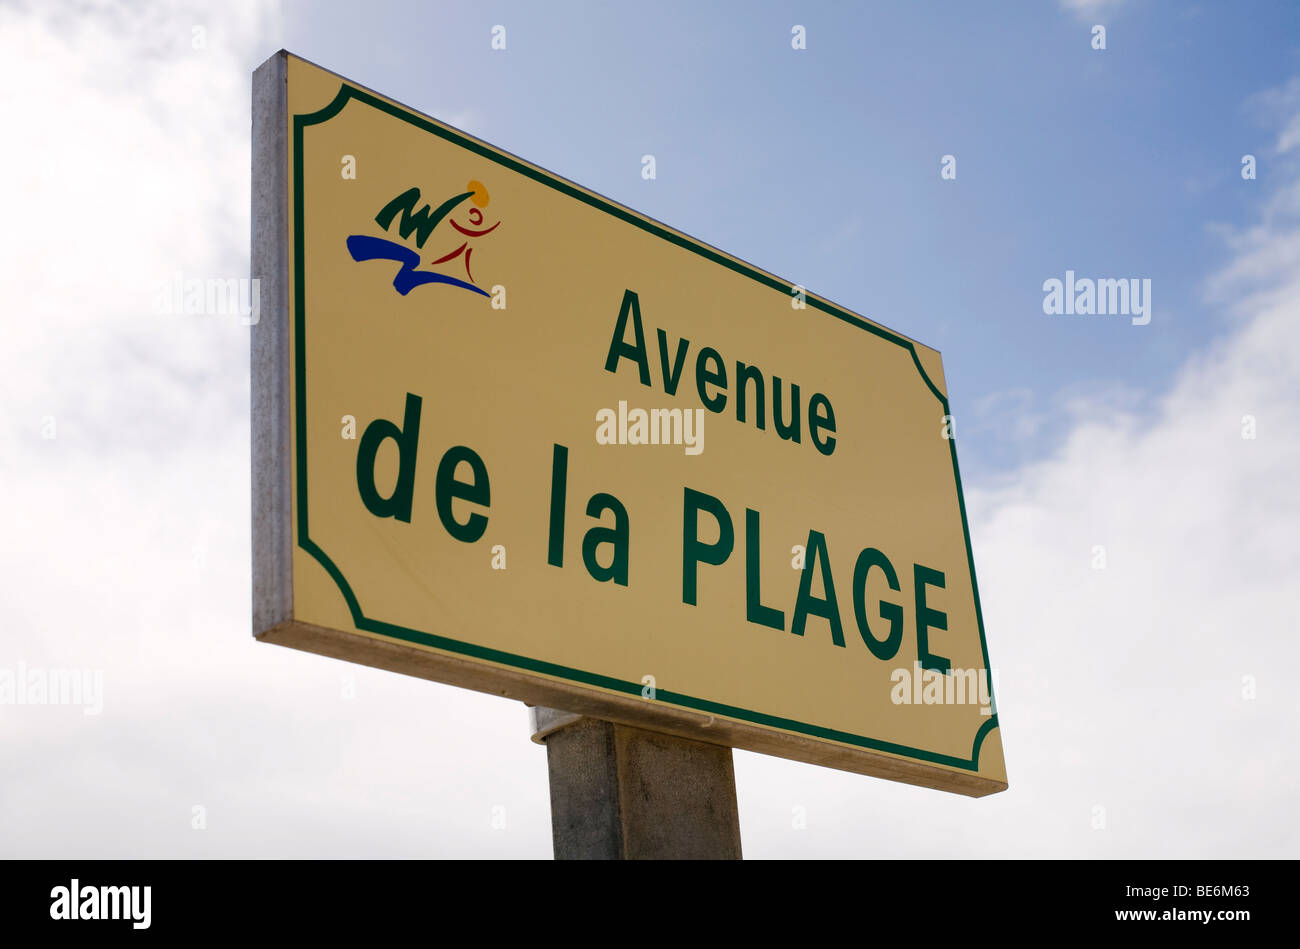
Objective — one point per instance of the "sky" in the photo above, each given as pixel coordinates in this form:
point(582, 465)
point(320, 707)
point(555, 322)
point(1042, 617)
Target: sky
point(1143, 704)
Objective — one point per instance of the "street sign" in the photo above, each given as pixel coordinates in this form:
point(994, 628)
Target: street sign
point(512, 436)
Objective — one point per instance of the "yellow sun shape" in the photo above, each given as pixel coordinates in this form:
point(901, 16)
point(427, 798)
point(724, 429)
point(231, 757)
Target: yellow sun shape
point(480, 196)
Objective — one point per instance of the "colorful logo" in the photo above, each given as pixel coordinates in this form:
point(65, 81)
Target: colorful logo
point(422, 224)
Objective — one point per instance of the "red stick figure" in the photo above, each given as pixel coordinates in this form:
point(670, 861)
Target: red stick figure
point(479, 197)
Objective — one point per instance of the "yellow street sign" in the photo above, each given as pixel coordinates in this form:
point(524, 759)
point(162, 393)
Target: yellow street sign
point(515, 437)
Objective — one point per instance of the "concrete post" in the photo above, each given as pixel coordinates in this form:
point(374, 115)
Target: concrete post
point(624, 793)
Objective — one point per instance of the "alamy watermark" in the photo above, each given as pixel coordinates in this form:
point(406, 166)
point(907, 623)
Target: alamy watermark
point(79, 901)
point(683, 427)
point(24, 685)
point(210, 296)
point(1083, 296)
point(918, 686)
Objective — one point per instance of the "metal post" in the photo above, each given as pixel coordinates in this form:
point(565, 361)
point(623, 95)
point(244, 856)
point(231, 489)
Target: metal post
point(624, 793)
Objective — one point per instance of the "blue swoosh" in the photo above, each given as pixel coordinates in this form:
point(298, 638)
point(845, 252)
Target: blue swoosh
point(364, 247)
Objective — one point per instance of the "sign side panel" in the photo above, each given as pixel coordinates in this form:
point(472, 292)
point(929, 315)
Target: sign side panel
point(272, 581)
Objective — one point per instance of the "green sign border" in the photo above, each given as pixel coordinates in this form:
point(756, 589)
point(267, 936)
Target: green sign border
point(348, 92)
